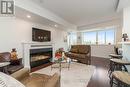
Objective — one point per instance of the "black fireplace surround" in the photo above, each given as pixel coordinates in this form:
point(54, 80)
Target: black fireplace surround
point(40, 56)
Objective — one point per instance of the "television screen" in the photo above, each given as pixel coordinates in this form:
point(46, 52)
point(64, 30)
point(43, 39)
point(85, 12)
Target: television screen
point(41, 35)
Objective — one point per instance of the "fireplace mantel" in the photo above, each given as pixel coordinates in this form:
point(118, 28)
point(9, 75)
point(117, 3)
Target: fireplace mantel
point(37, 43)
point(33, 45)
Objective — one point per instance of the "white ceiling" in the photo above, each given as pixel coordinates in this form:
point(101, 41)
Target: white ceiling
point(36, 18)
point(81, 12)
point(123, 4)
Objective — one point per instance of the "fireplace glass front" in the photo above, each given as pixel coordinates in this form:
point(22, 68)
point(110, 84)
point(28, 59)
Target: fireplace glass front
point(40, 56)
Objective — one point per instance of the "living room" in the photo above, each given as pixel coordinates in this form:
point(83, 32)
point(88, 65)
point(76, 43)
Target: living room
point(64, 43)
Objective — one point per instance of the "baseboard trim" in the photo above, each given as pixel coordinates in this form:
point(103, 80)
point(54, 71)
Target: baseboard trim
point(99, 57)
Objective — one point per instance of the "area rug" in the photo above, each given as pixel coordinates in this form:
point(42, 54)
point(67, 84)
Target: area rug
point(77, 76)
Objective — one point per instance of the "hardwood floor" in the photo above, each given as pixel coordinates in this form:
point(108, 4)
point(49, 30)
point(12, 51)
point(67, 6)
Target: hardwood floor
point(40, 67)
point(100, 77)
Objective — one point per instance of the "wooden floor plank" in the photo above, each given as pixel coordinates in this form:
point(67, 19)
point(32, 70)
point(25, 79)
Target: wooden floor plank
point(100, 77)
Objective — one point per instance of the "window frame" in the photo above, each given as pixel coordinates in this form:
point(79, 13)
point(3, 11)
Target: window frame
point(114, 42)
point(98, 37)
point(87, 32)
point(70, 37)
point(98, 30)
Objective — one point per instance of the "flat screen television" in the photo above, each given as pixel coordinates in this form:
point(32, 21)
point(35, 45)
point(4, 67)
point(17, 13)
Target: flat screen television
point(41, 35)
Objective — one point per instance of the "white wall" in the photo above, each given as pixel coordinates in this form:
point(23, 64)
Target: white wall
point(43, 12)
point(126, 29)
point(14, 31)
point(102, 51)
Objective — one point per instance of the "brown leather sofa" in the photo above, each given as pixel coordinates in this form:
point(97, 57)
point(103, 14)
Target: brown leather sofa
point(14, 66)
point(35, 79)
point(82, 53)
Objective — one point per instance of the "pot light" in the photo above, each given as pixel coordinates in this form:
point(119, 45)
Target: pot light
point(56, 25)
point(28, 16)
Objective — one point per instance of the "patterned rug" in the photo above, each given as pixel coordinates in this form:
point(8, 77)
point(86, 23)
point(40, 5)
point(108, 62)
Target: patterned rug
point(78, 75)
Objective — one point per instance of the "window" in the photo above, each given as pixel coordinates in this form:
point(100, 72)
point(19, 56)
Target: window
point(101, 37)
point(72, 38)
point(89, 38)
point(106, 36)
point(110, 37)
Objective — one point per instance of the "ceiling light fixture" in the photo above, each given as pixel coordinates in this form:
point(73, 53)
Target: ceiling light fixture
point(28, 16)
point(56, 25)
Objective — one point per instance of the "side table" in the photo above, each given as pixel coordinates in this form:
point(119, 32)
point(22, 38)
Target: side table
point(118, 64)
point(121, 63)
point(4, 65)
point(115, 56)
point(60, 62)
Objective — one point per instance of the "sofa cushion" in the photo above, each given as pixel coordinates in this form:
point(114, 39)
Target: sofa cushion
point(81, 56)
point(74, 49)
point(69, 54)
point(15, 62)
point(75, 55)
point(78, 56)
point(53, 81)
point(12, 68)
point(83, 49)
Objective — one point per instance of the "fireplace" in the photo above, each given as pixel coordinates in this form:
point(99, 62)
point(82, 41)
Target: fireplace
point(40, 56)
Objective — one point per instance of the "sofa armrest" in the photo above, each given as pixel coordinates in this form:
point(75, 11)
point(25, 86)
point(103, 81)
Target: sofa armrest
point(88, 55)
point(54, 81)
point(21, 74)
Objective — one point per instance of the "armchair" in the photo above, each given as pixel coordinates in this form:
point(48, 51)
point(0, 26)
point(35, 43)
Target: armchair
point(36, 79)
point(116, 55)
